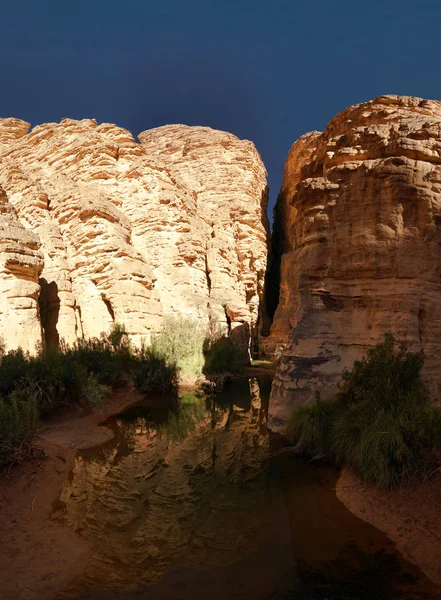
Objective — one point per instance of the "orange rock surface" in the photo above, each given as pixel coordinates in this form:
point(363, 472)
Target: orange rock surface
point(360, 242)
point(132, 231)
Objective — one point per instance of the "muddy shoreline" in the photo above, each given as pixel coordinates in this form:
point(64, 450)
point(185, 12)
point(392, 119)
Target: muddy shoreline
point(409, 516)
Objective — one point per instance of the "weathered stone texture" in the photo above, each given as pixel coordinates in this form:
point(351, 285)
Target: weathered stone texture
point(361, 206)
point(230, 196)
point(127, 235)
point(21, 263)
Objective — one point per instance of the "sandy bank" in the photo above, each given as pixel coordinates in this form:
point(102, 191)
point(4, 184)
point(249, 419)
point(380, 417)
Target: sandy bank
point(411, 517)
point(38, 556)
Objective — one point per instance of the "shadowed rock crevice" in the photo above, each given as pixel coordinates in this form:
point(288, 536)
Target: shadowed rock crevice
point(207, 275)
point(272, 276)
point(109, 308)
point(49, 306)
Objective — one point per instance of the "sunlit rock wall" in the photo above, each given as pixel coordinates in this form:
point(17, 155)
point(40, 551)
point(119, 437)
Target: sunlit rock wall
point(21, 263)
point(226, 254)
point(360, 224)
point(129, 233)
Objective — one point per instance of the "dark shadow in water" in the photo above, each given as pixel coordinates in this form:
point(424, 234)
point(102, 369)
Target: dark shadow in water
point(357, 575)
point(186, 502)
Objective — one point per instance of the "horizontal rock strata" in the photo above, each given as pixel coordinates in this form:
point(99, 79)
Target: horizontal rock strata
point(21, 263)
point(360, 244)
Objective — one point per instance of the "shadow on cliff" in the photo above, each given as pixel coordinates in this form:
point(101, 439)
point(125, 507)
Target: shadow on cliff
point(276, 248)
point(49, 305)
point(227, 354)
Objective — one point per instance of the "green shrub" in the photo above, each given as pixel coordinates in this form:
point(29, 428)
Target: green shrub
point(93, 393)
point(18, 424)
point(34, 386)
point(152, 373)
point(221, 355)
point(118, 337)
point(382, 422)
point(388, 372)
point(310, 427)
point(180, 343)
point(13, 368)
point(100, 357)
point(183, 343)
point(56, 377)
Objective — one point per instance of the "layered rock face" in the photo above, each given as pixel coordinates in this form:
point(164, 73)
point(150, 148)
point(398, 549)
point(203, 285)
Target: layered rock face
point(130, 232)
point(360, 245)
point(21, 263)
point(229, 187)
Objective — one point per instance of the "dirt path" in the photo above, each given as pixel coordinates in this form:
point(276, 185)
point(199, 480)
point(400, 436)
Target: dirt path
point(409, 516)
point(38, 556)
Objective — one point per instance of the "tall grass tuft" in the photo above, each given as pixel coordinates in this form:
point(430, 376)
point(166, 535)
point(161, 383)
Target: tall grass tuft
point(18, 424)
point(382, 423)
point(310, 427)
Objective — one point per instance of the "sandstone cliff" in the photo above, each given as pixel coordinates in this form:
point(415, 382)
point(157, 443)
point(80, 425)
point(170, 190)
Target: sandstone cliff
point(129, 232)
point(21, 263)
point(360, 246)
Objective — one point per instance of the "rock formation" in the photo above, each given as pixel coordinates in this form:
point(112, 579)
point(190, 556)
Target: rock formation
point(360, 244)
point(130, 232)
point(21, 263)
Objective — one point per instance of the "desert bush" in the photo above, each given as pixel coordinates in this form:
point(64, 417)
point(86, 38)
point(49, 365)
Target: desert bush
point(310, 427)
point(81, 374)
point(56, 377)
point(183, 343)
point(382, 423)
point(18, 424)
point(118, 337)
point(93, 393)
point(152, 372)
point(100, 357)
point(180, 343)
point(221, 355)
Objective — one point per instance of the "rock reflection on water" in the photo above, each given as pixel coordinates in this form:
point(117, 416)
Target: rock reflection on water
point(185, 487)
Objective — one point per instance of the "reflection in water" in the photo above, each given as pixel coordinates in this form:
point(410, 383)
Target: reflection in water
point(185, 503)
point(188, 490)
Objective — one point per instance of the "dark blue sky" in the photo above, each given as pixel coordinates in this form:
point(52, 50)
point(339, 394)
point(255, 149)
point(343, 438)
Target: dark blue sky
point(266, 70)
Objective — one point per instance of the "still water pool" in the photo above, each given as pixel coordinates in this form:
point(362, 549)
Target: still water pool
point(188, 501)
